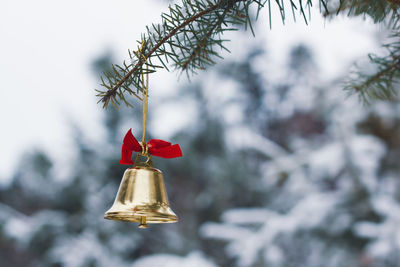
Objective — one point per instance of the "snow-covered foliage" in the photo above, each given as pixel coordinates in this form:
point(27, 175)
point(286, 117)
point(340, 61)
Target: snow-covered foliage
point(332, 203)
point(194, 259)
point(285, 172)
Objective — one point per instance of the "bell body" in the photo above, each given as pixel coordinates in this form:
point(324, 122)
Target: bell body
point(142, 198)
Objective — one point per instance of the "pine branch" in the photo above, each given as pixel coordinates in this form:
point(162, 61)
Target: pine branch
point(187, 37)
point(381, 84)
point(201, 45)
point(379, 10)
point(110, 94)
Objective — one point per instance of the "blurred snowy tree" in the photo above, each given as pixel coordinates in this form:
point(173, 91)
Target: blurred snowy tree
point(331, 171)
point(300, 176)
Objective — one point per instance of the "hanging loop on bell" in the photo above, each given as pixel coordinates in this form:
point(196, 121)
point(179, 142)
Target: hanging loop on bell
point(144, 149)
point(141, 162)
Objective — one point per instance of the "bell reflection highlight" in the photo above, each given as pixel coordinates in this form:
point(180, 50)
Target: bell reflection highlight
point(142, 197)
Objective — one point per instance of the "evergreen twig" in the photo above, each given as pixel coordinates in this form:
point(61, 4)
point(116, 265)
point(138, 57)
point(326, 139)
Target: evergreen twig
point(187, 37)
point(383, 82)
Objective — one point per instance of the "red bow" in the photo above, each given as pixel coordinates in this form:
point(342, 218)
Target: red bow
point(156, 147)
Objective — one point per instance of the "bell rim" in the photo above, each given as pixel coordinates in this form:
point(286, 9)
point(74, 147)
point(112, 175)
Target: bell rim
point(136, 217)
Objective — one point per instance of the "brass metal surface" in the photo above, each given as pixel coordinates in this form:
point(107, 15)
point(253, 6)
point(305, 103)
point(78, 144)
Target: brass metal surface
point(142, 197)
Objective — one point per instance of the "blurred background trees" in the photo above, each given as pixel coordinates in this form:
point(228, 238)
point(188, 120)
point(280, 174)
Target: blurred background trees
point(273, 174)
point(276, 172)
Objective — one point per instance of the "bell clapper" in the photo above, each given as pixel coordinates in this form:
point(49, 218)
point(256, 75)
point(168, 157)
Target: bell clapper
point(143, 223)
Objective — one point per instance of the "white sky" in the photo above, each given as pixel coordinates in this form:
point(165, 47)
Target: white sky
point(46, 48)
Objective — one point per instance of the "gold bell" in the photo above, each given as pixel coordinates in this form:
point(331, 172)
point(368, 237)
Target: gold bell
point(142, 196)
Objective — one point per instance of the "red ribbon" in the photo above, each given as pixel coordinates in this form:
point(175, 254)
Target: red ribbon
point(156, 147)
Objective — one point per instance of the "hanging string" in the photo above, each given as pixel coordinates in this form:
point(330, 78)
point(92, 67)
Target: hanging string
point(155, 147)
point(145, 87)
